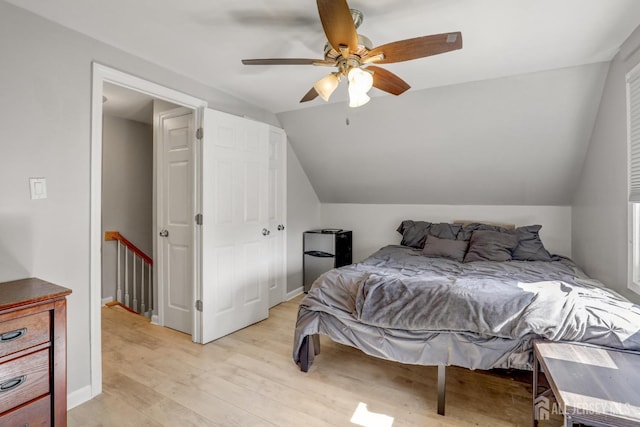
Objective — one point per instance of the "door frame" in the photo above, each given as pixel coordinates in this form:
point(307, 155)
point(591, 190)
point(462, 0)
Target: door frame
point(103, 74)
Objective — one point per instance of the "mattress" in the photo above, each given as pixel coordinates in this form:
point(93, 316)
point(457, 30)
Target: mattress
point(402, 306)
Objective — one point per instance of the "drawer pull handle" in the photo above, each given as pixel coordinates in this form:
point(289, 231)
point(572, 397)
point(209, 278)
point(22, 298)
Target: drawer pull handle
point(12, 383)
point(13, 335)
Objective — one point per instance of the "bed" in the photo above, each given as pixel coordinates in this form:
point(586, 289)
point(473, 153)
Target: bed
point(470, 295)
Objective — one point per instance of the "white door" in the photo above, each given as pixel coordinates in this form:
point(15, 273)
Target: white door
point(277, 214)
point(234, 206)
point(175, 210)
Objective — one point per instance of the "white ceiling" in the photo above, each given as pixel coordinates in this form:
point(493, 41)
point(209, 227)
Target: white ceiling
point(206, 40)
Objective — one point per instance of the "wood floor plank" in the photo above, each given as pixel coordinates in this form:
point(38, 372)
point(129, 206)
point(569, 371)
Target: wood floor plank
point(154, 376)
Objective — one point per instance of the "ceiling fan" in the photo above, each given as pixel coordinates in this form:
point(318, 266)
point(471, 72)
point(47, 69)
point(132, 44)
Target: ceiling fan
point(353, 54)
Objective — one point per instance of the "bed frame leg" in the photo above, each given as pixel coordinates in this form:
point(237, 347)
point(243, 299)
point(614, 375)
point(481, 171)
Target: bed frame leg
point(308, 350)
point(441, 388)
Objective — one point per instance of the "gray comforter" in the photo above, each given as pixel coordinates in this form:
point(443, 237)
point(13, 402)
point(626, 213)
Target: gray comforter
point(398, 295)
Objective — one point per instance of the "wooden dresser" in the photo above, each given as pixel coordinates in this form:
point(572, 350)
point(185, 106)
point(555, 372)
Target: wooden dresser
point(33, 359)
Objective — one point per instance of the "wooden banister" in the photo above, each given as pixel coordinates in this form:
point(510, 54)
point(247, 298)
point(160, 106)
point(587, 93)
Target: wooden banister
point(114, 235)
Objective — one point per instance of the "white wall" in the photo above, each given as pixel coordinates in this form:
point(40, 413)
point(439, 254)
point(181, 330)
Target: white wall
point(517, 140)
point(303, 213)
point(127, 172)
point(600, 208)
point(45, 99)
point(374, 226)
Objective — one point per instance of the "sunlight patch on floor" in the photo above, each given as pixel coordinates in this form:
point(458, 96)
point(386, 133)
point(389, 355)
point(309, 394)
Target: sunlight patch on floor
point(364, 418)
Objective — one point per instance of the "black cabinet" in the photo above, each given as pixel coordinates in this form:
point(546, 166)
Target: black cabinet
point(323, 250)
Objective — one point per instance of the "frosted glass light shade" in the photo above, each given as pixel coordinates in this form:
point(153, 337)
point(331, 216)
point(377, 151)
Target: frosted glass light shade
point(357, 99)
point(326, 85)
point(360, 82)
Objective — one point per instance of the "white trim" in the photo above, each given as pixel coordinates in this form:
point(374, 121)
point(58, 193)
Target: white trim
point(633, 280)
point(294, 293)
point(196, 335)
point(107, 300)
point(285, 249)
point(78, 397)
point(633, 211)
point(101, 74)
point(633, 142)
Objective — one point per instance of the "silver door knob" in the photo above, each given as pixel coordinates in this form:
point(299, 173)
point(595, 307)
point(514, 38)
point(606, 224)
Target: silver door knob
point(265, 232)
point(280, 227)
point(164, 233)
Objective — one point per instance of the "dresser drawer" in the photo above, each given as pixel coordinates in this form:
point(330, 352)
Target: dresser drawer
point(24, 332)
point(23, 379)
point(35, 414)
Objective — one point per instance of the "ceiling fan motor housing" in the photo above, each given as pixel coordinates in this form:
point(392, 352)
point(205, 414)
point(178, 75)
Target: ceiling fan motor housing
point(364, 46)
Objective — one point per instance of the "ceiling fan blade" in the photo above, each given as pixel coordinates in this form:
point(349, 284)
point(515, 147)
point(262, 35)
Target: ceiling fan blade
point(387, 81)
point(312, 94)
point(338, 24)
point(419, 47)
point(280, 61)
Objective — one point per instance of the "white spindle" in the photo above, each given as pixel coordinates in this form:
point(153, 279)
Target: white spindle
point(119, 276)
point(150, 291)
point(143, 306)
point(134, 280)
point(126, 277)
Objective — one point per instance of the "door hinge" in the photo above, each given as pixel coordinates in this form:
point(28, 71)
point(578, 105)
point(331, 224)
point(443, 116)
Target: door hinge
point(199, 133)
point(199, 305)
point(199, 219)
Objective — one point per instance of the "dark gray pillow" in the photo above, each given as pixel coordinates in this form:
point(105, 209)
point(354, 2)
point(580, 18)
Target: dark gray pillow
point(414, 233)
point(490, 246)
point(445, 230)
point(435, 247)
point(466, 231)
point(530, 247)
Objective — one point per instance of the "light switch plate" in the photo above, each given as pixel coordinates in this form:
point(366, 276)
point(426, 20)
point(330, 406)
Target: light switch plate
point(38, 187)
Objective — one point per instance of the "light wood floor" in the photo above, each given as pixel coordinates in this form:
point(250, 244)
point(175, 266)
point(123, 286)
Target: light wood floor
point(154, 376)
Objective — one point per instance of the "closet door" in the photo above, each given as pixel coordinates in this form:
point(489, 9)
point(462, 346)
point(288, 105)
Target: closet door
point(277, 216)
point(235, 224)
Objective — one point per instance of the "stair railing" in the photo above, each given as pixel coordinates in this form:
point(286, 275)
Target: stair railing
point(128, 253)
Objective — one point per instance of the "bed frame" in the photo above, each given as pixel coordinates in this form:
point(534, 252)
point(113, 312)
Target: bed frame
point(311, 348)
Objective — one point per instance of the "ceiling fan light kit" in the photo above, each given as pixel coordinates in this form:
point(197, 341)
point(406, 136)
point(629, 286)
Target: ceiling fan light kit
point(360, 82)
point(326, 85)
point(352, 53)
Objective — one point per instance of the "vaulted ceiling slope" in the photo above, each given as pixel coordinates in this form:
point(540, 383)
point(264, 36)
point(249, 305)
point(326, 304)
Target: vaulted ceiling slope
point(517, 140)
point(206, 40)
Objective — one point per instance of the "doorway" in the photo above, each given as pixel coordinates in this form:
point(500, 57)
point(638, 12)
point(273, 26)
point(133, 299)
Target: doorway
point(102, 75)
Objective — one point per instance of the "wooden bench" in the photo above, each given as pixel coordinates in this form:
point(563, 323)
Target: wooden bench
point(592, 385)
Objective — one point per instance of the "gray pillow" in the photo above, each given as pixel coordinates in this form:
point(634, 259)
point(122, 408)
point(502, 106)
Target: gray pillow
point(468, 229)
point(530, 247)
point(445, 230)
point(490, 246)
point(435, 247)
point(414, 233)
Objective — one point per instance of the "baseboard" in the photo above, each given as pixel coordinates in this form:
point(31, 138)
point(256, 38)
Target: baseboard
point(154, 319)
point(107, 300)
point(294, 293)
point(78, 397)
